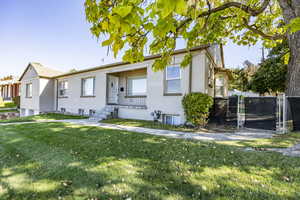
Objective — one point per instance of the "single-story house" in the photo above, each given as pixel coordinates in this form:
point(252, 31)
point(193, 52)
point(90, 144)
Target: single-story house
point(132, 90)
point(9, 88)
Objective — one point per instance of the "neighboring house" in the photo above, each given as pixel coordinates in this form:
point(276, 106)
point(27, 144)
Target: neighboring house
point(135, 89)
point(9, 88)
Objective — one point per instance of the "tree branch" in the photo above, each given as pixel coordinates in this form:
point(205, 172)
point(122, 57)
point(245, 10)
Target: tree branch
point(245, 8)
point(254, 29)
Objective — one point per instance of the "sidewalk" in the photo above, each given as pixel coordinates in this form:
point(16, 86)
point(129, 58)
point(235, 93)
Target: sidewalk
point(243, 135)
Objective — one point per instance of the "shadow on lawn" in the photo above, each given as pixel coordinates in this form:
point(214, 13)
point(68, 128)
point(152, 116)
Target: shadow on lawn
point(84, 162)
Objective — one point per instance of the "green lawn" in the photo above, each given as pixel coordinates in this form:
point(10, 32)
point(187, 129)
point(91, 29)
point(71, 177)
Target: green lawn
point(146, 124)
point(7, 104)
point(64, 161)
point(49, 116)
point(8, 110)
point(277, 141)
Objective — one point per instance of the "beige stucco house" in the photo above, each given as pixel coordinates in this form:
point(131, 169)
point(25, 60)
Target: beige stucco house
point(133, 91)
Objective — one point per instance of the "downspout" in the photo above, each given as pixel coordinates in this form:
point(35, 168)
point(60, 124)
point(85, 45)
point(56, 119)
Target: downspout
point(191, 76)
point(56, 95)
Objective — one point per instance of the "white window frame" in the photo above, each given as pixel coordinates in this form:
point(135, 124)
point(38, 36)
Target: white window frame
point(170, 79)
point(92, 112)
point(173, 120)
point(65, 85)
point(82, 86)
point(81, 111)
point(129, 92)
point(222, 87)
point(28, 90)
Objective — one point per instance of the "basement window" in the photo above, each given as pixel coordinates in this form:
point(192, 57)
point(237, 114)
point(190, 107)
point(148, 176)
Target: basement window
point(81, 111)
point(172, 120)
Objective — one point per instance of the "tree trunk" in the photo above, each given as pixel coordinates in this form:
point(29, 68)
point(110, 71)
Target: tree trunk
point(290, 10)
point(293, 75)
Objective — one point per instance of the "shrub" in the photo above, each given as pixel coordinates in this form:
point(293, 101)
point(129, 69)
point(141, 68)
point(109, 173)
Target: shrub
point(16, 101)
point(196, 107)
point(1, 102)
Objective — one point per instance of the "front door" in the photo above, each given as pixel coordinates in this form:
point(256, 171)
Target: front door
point(113, 89)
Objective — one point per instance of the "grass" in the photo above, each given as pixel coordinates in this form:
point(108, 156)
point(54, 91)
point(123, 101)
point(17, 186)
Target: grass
point(7, 104)
point(64, 161)
point(278, 141)
point(49, 116)
point(8, 110)
point(146, 124)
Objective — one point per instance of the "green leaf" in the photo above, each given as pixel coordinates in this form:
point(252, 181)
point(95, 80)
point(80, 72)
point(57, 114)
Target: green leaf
point(107, 42)
point(123, 11)
point(294, 25)
point(166, 7)
point(181, 7)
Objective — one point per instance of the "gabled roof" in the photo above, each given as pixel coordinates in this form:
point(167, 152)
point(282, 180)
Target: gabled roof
point(117, 64)
point(42, 72)
point(9, 80)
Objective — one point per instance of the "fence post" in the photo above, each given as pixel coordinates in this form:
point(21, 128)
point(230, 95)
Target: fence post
point(284, 113)
point(278, 113)
point(238, 113)
point(240, 121)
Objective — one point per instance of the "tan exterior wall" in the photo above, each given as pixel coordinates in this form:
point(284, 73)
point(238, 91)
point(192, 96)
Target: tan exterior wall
point(156, 100)
point(194, 78)
point(47, 95)
point(74, 101)
point(34, 102)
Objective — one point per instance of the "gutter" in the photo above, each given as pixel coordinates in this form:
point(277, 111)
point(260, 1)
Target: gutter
point(152, 57)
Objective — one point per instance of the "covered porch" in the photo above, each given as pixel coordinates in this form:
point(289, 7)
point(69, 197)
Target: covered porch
point(127, 88)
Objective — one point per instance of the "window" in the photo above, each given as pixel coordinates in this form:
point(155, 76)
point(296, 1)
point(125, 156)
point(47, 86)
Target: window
point(29, 90)
point(62, 87)
point(172, 120)
point(81, 111)
point(220, 89)
point(30, 112)
point(92, 112)
point(173, 76)
point(137, 86)
point(62, 110)
point(88, 87)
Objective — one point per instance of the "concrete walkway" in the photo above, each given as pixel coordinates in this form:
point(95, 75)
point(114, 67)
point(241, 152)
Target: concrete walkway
point(235, 136)
point(242, 135)
point(293, 151)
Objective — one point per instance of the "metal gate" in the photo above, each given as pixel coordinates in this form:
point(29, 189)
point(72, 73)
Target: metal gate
point(224, 111)
point(260, 112)
point(293, 112)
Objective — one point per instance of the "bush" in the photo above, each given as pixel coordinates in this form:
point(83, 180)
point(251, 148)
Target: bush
point(1, 102)
point(16, 101)
point(196, 107)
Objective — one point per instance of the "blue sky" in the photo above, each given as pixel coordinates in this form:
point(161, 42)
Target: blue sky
point(56, 34)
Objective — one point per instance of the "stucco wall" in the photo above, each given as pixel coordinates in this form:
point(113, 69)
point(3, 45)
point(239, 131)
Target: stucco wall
point(30, 103)
point(47, 95)
point(156, 100)
point(74, 101)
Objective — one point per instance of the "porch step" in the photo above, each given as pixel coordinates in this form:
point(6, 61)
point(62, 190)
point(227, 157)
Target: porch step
point(102, 114)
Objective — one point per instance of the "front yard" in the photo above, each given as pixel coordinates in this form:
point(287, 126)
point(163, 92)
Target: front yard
point(42, 117)
point(64, 161)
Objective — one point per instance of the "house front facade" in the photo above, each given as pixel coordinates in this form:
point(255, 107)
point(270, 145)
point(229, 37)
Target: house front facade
point(9, 88)
point(133, 91)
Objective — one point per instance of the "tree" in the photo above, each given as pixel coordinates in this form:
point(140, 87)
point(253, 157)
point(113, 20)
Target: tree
point(129, 23)
point(240, 80)
point(271, 75)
